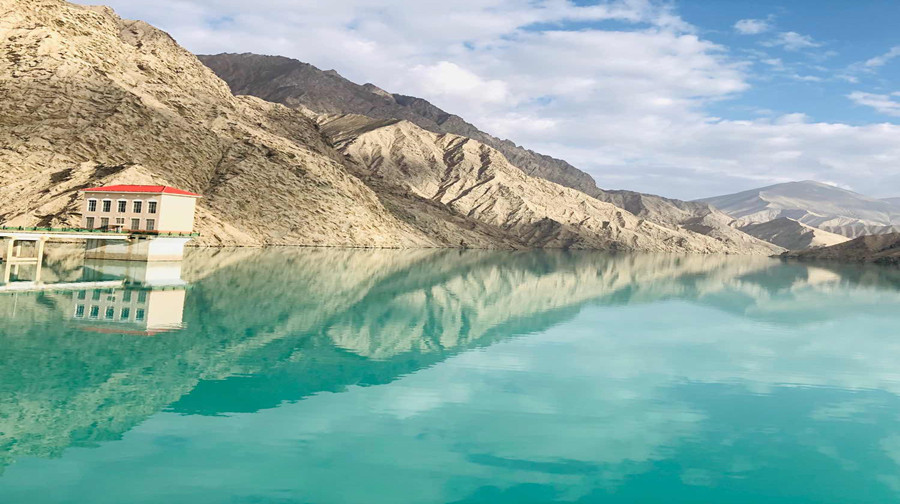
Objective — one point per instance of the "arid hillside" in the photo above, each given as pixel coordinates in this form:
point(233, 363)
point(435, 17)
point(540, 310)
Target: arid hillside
point(478, 182)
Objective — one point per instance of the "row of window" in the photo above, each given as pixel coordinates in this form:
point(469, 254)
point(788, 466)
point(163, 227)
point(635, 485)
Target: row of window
point(149, 224)
point(126, 295)
point(110, 314)
point(137, 206)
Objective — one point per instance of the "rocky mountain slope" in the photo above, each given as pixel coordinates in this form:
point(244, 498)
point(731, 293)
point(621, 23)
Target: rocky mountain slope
point(292, 83)
point(301, 85)
point(812, 203)
point(88, 99)
point(880, 249)
point(792, 235)
point(474, 180)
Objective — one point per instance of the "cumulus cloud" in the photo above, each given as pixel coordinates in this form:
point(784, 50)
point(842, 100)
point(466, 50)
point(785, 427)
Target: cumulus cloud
point(752, 26)
point(629, 105)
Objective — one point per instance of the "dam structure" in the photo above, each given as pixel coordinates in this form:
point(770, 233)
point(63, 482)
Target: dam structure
point(118, 222)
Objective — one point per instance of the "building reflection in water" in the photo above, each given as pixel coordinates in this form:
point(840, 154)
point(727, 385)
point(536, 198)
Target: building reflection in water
point(150, 301)
point(122, 297)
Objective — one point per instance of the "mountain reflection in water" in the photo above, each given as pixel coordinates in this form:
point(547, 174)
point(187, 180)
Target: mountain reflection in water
point(439, 376)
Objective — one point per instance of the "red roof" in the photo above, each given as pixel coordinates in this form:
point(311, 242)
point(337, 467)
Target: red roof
point(152, 189)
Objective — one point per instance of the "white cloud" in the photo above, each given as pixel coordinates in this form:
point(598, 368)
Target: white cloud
point(792, 41)
point(885, 104)
point(882, 60)
point(450, 81)
point(628, 105)
point(752, 26)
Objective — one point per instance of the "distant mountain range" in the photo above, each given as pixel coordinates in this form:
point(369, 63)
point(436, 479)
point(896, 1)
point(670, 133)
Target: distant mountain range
point(815, 204)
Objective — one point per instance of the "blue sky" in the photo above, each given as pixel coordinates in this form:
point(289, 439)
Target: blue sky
point(685, 98)
point(847, 32)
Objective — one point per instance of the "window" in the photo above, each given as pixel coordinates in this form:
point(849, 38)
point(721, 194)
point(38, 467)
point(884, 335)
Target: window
point(120, 221)
point(95, 311)
point(151, 224)
point(142, 297)
point(122, 205)
point(126, 314)
point(104, 222)
point(151, 207)
point(107, 205)
point(139, 314)
point(135, 224)
point(110, 313)
point(95, 295)
point(79, 311)
point(82, 294)
point(137, 206)
point(126, 296)
point(92, 205)
point(89, 223)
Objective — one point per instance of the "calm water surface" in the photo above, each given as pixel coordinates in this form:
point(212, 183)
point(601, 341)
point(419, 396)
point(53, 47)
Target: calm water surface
point(314, 376)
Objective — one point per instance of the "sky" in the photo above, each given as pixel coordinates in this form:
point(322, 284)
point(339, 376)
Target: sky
point(684, 98)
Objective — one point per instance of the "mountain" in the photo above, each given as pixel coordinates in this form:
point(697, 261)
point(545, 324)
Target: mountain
point(477, 181)
point(292, 83)
point(792, 235)
point(301, 85)
point(87, 98)
point(812, 203)
point(892, 201)
point(879, 249)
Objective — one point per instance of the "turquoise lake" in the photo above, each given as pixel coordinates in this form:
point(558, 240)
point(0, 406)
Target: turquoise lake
point(435, 376)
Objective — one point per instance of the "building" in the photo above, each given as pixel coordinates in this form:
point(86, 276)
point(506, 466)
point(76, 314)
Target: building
point(139, 208)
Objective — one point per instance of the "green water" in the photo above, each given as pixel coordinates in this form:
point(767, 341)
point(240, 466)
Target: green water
point(395, 377)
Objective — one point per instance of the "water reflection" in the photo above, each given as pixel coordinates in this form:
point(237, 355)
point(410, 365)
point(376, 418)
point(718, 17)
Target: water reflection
point(561, 376)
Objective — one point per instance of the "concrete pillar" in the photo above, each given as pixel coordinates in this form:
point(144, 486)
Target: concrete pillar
point(40, 258)
point(7, 271)
point(19, 250)
point(9, 249)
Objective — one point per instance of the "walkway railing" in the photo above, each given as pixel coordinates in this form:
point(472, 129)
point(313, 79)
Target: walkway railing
point(97, 231)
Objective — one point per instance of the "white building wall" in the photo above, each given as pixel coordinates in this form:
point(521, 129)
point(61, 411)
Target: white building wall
point(173, 213)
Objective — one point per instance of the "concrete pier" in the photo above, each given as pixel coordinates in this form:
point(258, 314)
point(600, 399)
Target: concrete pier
point(14, 257)
point(134, 246)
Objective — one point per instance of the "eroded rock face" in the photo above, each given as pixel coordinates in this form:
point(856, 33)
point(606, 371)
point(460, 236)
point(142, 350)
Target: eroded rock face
point(476, 181)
